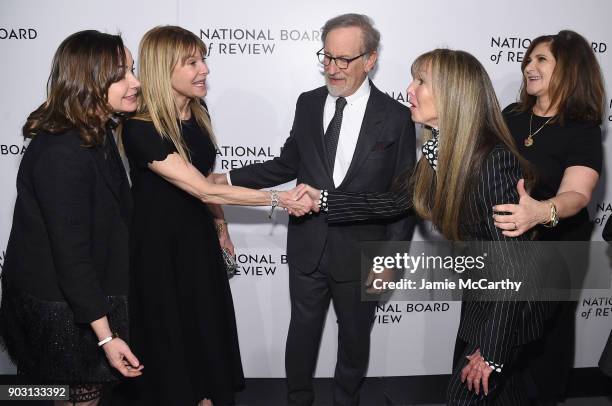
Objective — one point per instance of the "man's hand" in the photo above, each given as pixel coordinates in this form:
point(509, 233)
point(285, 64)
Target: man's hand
point(295, 205)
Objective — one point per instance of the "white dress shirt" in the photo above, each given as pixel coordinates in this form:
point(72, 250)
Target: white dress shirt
point(352, 118)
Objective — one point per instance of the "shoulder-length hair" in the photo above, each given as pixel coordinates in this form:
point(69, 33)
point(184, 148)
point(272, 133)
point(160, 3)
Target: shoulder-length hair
point(576, 87)
point(470, 123)
point(85, 65)
point(161, 49)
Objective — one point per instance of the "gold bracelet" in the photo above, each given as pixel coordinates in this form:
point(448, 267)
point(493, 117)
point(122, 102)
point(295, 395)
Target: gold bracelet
point(554, 217)
point(221, 226)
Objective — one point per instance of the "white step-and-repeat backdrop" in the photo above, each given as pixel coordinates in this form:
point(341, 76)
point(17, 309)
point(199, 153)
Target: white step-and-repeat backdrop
point(262, 56)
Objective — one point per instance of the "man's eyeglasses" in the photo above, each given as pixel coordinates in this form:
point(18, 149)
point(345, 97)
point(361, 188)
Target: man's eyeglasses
point(341, 63)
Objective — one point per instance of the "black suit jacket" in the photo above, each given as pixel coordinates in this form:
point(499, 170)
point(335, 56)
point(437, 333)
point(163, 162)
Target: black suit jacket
point(69, 240)
point(384, 150)
point(495, 326)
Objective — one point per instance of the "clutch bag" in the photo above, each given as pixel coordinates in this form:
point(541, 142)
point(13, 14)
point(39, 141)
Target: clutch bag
point(230, 263)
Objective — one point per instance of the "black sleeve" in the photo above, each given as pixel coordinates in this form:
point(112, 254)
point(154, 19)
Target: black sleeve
point(507, 258)
point(361, 206)
point(143, 144)
point(63, 180)
point(403, 227)
point(586, 148)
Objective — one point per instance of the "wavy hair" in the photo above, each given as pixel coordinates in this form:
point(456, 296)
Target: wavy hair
point(85, 65)
point(576, 86)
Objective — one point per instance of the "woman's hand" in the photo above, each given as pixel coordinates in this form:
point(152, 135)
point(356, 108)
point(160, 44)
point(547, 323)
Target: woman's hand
point(476, 372)
point(121, 358)
point(523, 216)
point(297, 204)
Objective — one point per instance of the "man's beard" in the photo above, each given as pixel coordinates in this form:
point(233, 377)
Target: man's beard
point(335, 91)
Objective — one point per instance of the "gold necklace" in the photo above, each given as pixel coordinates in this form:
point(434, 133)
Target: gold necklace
point(529, 140)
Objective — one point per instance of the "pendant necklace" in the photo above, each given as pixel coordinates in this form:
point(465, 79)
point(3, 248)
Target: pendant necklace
point(529, 140)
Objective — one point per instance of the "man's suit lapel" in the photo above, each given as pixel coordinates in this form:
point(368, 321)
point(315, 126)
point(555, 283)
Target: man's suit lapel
point(370, 129)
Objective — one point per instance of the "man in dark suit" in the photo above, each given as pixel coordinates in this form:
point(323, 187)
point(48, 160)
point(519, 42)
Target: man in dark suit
point(349, 136)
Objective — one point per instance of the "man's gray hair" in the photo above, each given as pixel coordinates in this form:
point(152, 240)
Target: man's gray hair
point(371, 36)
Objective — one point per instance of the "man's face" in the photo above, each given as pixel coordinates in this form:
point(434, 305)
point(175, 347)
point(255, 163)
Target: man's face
point(346, 42)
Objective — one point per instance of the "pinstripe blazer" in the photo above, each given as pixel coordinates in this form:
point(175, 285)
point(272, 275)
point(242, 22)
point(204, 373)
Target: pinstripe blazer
point(494, 326)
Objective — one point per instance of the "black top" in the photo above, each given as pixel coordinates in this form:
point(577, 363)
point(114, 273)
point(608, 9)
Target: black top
point(69, 239)
point(555, 148)
point(67, 260)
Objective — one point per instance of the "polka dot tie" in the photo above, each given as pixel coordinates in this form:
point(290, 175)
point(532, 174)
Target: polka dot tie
point(333, 132)
point(430, 149)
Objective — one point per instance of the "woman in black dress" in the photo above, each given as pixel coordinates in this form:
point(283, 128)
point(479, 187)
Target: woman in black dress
point(556, 127)
point(181, 305)
point(65, 278)
point(469, 164)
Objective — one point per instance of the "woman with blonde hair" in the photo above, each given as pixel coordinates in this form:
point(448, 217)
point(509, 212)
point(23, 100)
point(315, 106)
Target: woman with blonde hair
point(182, 313)
point(469, 164)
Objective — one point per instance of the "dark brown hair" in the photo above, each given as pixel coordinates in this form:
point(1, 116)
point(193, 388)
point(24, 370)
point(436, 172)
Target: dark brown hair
point(576, 87)
point(85, 65)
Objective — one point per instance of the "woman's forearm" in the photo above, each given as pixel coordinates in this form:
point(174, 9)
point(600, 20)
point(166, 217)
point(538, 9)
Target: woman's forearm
point(185, 176)
point(569, 203)
point(101, 328)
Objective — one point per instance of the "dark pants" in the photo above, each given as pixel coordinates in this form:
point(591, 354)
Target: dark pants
point(310, 296)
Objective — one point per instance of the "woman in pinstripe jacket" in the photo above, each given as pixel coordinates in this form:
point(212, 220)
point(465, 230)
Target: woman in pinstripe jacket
point(469, 164)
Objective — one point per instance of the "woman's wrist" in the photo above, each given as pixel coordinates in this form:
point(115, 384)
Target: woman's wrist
point(221, 226)
point(550, 215)
point(107, 339)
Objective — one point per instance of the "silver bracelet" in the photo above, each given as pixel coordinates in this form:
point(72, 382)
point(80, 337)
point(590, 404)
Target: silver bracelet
point(274, 200)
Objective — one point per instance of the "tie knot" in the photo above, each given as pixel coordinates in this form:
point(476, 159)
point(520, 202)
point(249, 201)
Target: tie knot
point(340, 103)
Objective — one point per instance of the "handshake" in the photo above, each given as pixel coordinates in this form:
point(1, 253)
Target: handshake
point(301, 200)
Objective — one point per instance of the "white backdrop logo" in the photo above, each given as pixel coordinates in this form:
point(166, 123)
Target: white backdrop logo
point(595, 307)
point(252, 41)
point(18, 33)
point(237, 156)
point(603, 210)
point(599, 47)
point(396, 312)
point(508, 49)
point(12, 149)
point(398, 95)
point(259, 263)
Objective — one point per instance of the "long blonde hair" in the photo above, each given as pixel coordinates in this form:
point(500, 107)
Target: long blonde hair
point(161, 49)
point(470, 123)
